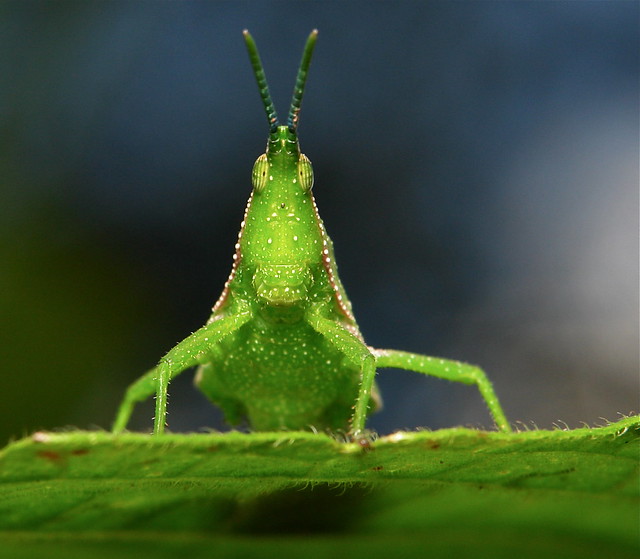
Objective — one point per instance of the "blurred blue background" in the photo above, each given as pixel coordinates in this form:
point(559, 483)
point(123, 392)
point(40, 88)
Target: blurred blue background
point(476, 165)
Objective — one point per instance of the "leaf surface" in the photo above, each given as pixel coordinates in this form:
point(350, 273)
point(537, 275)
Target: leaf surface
point(454, 492)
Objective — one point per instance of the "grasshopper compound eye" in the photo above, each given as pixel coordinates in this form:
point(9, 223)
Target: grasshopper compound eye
point(260, 173)
point(305, 173)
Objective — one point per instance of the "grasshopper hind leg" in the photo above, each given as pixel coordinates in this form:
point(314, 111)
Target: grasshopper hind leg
point(455, 371)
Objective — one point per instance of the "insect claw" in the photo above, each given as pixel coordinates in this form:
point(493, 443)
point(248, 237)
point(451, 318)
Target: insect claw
point(364, 439)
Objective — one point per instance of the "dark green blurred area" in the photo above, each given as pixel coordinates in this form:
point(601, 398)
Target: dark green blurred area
point(476, 167)
point(70, 324)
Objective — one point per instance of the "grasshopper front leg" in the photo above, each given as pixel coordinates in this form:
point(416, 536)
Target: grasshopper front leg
point(193, 350)
point(449, 370)
point(358, 353)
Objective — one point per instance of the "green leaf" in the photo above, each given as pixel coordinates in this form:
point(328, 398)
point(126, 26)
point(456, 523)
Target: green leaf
point(453, 493)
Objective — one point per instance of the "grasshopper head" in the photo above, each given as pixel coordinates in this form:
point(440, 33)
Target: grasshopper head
point(282, 238)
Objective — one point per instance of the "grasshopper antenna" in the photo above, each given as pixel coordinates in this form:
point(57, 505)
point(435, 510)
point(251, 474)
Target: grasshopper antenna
point(298, 90)
point(258, 72)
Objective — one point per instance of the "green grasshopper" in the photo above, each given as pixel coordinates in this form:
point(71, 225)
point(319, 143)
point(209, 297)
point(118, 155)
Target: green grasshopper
point(282, 347)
